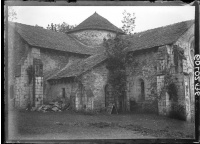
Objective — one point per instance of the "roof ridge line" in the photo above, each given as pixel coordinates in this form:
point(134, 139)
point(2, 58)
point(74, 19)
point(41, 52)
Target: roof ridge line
point(81, 65)
point(22, 28)
point(163, 26)
point(96, 21)
point(59, 71)
point(183, 33)
point(16, 23)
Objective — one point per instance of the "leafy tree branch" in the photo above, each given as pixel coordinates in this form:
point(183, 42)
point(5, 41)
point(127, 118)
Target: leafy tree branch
point(64, 27)
point(128, 22)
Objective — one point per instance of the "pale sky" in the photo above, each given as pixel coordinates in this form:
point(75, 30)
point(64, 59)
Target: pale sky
point(146, 17)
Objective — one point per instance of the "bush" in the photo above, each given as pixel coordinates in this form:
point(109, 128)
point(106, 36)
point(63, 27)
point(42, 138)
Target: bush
point(172, 91)
point(150, 107)
point(177, 112)
point(133, 105)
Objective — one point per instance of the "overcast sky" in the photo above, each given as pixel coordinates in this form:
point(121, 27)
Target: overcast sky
point(146, 17)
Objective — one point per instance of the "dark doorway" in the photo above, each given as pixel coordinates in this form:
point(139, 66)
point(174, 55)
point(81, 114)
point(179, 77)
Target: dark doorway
point(121, 103)
point(106, 96)
point(11, 91)
point(141, 89)
point(63, 92)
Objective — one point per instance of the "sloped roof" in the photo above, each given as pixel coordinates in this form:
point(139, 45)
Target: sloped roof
point(96, 22)
point(158, 36)
point(39, 37)
point(147, 39)
point(79, 67)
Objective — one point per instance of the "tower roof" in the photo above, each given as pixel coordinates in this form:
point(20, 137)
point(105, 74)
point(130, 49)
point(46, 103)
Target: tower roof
point(96, 22)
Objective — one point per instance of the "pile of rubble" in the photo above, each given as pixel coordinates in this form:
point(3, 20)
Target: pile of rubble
point(52, 106)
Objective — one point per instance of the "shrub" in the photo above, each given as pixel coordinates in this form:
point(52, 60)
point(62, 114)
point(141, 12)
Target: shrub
point(133, 105)
point(150, 107)
point(172, 91)
point(177, 112)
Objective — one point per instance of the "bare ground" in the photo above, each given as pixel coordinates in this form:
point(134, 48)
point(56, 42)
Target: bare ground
point(27, 125)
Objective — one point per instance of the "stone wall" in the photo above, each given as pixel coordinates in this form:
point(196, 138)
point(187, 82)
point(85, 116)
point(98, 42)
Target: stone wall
point(142, 67)
point(18, 62)
point(22, 87)
point(55, 91)
point(185, 42)
point(38, 91)
point(94, 83)
point(181, 69)
point(10, 72)
point(53, 61)
point(17, 50)
point(167, 65)
point(165, 60)
point(93, 37)
point(87, 92)
point(72, 90)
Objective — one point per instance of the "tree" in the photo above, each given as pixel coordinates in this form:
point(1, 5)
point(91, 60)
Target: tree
point(128, 22)
point(116, 48)
point(12, 15)
point(116, 61)
point(64, 27)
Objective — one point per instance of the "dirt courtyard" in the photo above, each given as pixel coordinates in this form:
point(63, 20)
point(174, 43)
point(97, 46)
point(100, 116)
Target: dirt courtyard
point(28, 125)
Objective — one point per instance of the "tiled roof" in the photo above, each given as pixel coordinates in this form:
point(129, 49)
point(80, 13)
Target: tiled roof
point(79, 67)
point(40, 37)
point(96, 22)
point(158, 36)
point(48, 74)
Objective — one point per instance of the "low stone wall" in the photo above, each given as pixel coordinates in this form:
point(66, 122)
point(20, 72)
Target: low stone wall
point(94, 83)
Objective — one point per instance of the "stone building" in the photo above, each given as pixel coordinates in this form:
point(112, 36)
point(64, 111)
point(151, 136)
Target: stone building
point(45, 65)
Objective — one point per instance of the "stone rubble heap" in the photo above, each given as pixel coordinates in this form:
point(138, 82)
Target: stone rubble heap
point(52, 106)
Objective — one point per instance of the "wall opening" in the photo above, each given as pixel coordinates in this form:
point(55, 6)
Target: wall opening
point(141, 89)
point(63, 92)
point(106, 95)
point(172, 91)
point(12, 91)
